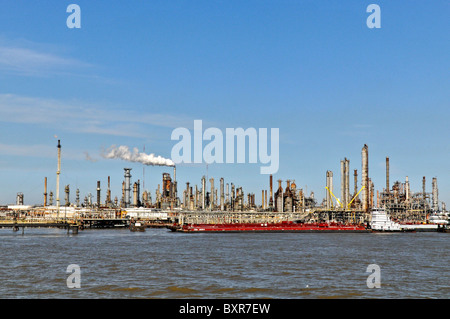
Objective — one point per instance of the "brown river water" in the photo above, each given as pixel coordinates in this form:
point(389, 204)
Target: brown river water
point(157, 263)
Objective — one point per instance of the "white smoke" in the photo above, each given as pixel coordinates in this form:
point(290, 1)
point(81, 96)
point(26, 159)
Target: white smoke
point(123, 152)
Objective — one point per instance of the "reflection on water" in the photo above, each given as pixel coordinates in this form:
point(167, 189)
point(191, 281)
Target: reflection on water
point(157, 263)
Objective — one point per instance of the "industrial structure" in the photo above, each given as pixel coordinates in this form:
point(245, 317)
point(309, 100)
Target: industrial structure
point(205, 201)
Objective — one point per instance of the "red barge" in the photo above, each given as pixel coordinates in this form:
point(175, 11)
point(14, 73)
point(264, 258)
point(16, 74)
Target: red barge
point(286, 226)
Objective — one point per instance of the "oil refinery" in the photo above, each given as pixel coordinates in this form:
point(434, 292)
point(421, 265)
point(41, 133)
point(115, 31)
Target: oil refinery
point(228, 202)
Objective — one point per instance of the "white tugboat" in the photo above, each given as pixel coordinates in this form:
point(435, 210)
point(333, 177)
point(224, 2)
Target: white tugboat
point(381, 222)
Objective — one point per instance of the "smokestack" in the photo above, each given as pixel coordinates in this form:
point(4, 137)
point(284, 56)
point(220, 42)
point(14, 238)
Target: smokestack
point(387, 175)
point(211, 197)
point(262, 199)
point(343, 196)
point(127, 187)
point(347, 182)
point(187, 197)
point(108, 192)
point(423, 190)
point(45, 192)
point(138, 193)
point(58, 172)
point(265, 198)
point(365, 176)
point(135, 192)
point(98, 194)
point(355, 181)
point(228, 195)
point(203, 193)
point(271, 192)
point(233, 198)
point(328, 196)
point(222, 195)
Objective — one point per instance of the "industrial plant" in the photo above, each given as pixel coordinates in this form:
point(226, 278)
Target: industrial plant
point(211, 201)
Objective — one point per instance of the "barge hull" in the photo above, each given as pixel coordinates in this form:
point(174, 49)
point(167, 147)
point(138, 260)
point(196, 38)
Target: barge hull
point(267, 228)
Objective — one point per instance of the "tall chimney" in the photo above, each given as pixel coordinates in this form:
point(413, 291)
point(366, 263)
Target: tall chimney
point(347, 182)
point(265, 198)
point(135, 192)
point(211, 197)
point(228, 195)
point(387, 175)
point(203, 193)
point(271, 192)
point(45, 192)
point(98, 194)
point(423, 189)
point(58, 172)
point(222, 195)
point(108, 192)
point(327, 194)
point(365, 176)
point(343, 196)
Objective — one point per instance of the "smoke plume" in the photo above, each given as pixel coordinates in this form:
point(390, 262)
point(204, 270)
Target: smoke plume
point(123, 152)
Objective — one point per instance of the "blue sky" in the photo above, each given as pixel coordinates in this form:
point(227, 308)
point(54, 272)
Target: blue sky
point(136, 70)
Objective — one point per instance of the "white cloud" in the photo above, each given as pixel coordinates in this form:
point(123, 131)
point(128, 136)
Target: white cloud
point(31, 61)
point(82, 117)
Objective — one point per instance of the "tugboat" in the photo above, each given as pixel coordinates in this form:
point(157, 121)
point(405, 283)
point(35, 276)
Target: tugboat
point(381, 222)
